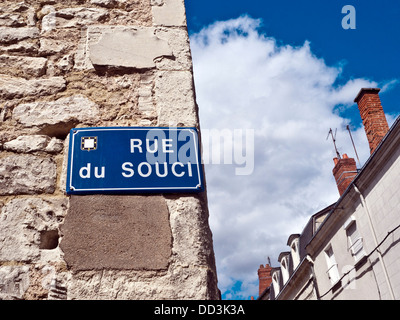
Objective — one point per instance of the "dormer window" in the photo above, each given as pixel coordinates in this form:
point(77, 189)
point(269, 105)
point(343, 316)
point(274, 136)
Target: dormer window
point(285, 269)
point(284, 261)
point(275, 282)
point(294, 250)
point(294, 244)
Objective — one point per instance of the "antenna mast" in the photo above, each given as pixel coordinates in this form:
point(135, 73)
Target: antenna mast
point(334, 141)
point(355, 150)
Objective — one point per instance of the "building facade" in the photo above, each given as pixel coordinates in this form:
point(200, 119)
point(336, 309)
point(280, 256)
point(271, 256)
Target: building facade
point(350, 250)
point(95, 63)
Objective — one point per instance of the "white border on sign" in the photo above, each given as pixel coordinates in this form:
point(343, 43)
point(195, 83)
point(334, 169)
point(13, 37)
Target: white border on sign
point(73, 189)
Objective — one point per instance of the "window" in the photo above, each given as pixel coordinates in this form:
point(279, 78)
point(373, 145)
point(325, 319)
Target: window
point(275, 282)
point(285, 270)
point(354, 240)
point(295, 253)
point(333, 271)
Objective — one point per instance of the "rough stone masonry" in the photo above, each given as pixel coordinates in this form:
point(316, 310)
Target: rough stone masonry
point(85, 63)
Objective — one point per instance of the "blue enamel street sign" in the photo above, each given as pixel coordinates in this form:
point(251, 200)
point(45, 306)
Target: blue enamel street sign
point(134, 160)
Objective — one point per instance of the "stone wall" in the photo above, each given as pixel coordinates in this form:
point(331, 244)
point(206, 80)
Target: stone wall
point(80, 63)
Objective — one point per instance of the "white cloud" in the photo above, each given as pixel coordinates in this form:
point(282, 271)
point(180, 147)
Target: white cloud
point(244, 79)
point(389, 85)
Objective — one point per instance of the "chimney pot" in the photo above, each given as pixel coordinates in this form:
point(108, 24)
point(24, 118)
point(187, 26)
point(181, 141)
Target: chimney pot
point(344, 172)
point(264, 278)
point(372, 115)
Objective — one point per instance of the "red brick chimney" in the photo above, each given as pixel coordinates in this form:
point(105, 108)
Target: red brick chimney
point(344, 172)
point(264, 278)
point(372, 115)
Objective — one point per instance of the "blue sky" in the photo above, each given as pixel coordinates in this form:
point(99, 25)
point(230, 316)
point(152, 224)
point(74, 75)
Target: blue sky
point(371, 50)
point(289, 71)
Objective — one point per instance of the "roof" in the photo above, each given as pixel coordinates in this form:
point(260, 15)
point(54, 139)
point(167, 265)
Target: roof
point(292, 237)
point(282, 254)
point(310, 229)
point(364, 171)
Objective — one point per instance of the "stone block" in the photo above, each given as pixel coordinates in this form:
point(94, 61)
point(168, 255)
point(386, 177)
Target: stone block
point(175, 88)
point(169, 13)
point(71, 17)
point(12, 20)
point(178, 40)
point(75, 108)
point(105, 3)
point(51, 46)
point(54, 145)
point(26, 144)
point(9, 35)
point(183, 283)
point(19, 7)
point(24, 46)
point(128, 48)
point(24, 224)
point(145, 100)
point(26, 174)
point(117, 232)
point(13, 88)
point(120, 47)
point(192, 235)
point(82, 15)
point(14, 281)
point(22, 66)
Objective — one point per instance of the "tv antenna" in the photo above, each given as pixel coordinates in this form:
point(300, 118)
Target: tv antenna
point(334, 141)
point(355, 150)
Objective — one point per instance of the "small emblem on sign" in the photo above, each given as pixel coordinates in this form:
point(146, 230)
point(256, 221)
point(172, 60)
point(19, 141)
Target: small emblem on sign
point(89, 143)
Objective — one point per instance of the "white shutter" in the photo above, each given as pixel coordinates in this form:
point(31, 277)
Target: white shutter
point(355, 241)
point(333, 270)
